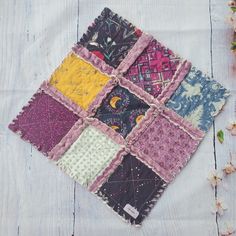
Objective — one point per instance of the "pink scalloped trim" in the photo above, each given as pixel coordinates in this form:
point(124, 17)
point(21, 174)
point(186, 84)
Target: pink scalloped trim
point(89, 57)
point(137, 91)
point(116, 137)
point(98, 182)
point(99, 98)
point(67, 140)
point(178, 77)
point(183, 124)
point(135, 51)
point(57, 95)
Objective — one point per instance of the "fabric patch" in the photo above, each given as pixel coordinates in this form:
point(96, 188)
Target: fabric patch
point(154, 69)
point(121, 110)
point(132, 189)
point(198, 99)
point(88, 156)
point(44, 122)
point(110, 37)
point(78, 80)
point(164, 146)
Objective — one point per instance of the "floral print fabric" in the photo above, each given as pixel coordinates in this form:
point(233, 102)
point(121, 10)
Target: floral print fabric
point(110, 37)
point(198, 99)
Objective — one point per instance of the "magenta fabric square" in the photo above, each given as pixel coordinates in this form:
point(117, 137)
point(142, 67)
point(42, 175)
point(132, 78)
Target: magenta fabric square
point(164, 145)
point(43, 122)
point(154, 69)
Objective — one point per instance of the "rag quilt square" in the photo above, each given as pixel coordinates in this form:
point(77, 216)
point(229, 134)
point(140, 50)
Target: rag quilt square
point(165, 143)
point(132, 189)
point(110, 37)
point(121, 110)
point(198, 99)
point(78, 80)
point(88, 155)
point(154, 68)
point(121, 115)
point(43, 122)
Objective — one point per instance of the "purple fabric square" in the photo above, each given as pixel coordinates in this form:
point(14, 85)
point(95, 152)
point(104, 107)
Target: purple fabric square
point(132, 189)
point(43, 122)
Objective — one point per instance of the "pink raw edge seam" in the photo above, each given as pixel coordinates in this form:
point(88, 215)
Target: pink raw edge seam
point(134, 52)
point(57, 95)
point(99, 98)
point(99, 181)
point(67, 140)
point(183, 124)
point(137, 91)
point(89, 57)
point(178, 77)
point(116, 137)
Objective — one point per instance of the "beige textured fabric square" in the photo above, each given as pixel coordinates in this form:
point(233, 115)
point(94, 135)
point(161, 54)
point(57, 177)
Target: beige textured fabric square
point(88, 156)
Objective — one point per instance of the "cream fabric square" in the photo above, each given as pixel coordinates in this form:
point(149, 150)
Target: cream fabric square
point(88, 155)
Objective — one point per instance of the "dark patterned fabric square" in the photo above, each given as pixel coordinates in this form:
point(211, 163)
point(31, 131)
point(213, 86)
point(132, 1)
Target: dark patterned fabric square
point(154, 69)
point(132, 189)
point(44, 122)
point(110, 37)
point(121, 110)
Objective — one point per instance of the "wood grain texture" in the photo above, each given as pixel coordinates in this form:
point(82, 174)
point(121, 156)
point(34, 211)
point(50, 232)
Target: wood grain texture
point(36, 198)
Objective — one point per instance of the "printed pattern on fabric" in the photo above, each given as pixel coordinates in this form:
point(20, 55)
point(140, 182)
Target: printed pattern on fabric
point(88, 156)
point(154, 69)
point(165, 147)
point(110, 37)
point(132, 189)
point(78, 80)
point(121, 110)
point(44, 122)
point(121, 115)
point(198, 99)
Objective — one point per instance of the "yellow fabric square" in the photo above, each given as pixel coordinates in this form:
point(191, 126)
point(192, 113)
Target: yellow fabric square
point(78, 80)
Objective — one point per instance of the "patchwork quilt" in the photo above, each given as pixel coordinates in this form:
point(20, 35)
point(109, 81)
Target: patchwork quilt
point(122, 115)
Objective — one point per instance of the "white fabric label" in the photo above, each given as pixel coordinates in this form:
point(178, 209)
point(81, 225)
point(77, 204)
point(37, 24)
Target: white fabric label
point(131, 211)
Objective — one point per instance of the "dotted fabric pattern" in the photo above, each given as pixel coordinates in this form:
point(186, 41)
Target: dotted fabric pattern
point(88, 156)
point(121, 115)
point(78, 80)
point(132, 183)
point(165, 147)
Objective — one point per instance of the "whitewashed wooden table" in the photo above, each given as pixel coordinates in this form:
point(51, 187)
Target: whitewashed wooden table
point(36, 198)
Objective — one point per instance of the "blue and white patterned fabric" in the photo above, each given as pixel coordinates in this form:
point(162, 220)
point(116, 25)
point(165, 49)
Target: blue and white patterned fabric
point(198, 99)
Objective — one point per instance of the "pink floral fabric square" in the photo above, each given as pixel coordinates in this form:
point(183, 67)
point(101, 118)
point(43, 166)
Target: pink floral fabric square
point(165, 146)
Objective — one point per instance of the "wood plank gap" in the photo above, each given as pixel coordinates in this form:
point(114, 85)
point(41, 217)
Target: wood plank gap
point(214, 129)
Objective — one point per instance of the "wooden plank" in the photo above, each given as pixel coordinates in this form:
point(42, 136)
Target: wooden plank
point(184, 208)
point(224, 71)
point(36, 198)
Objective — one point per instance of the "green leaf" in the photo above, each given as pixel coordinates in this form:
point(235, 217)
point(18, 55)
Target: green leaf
point(233, 9)
point(233, 43)
point(220, 136)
